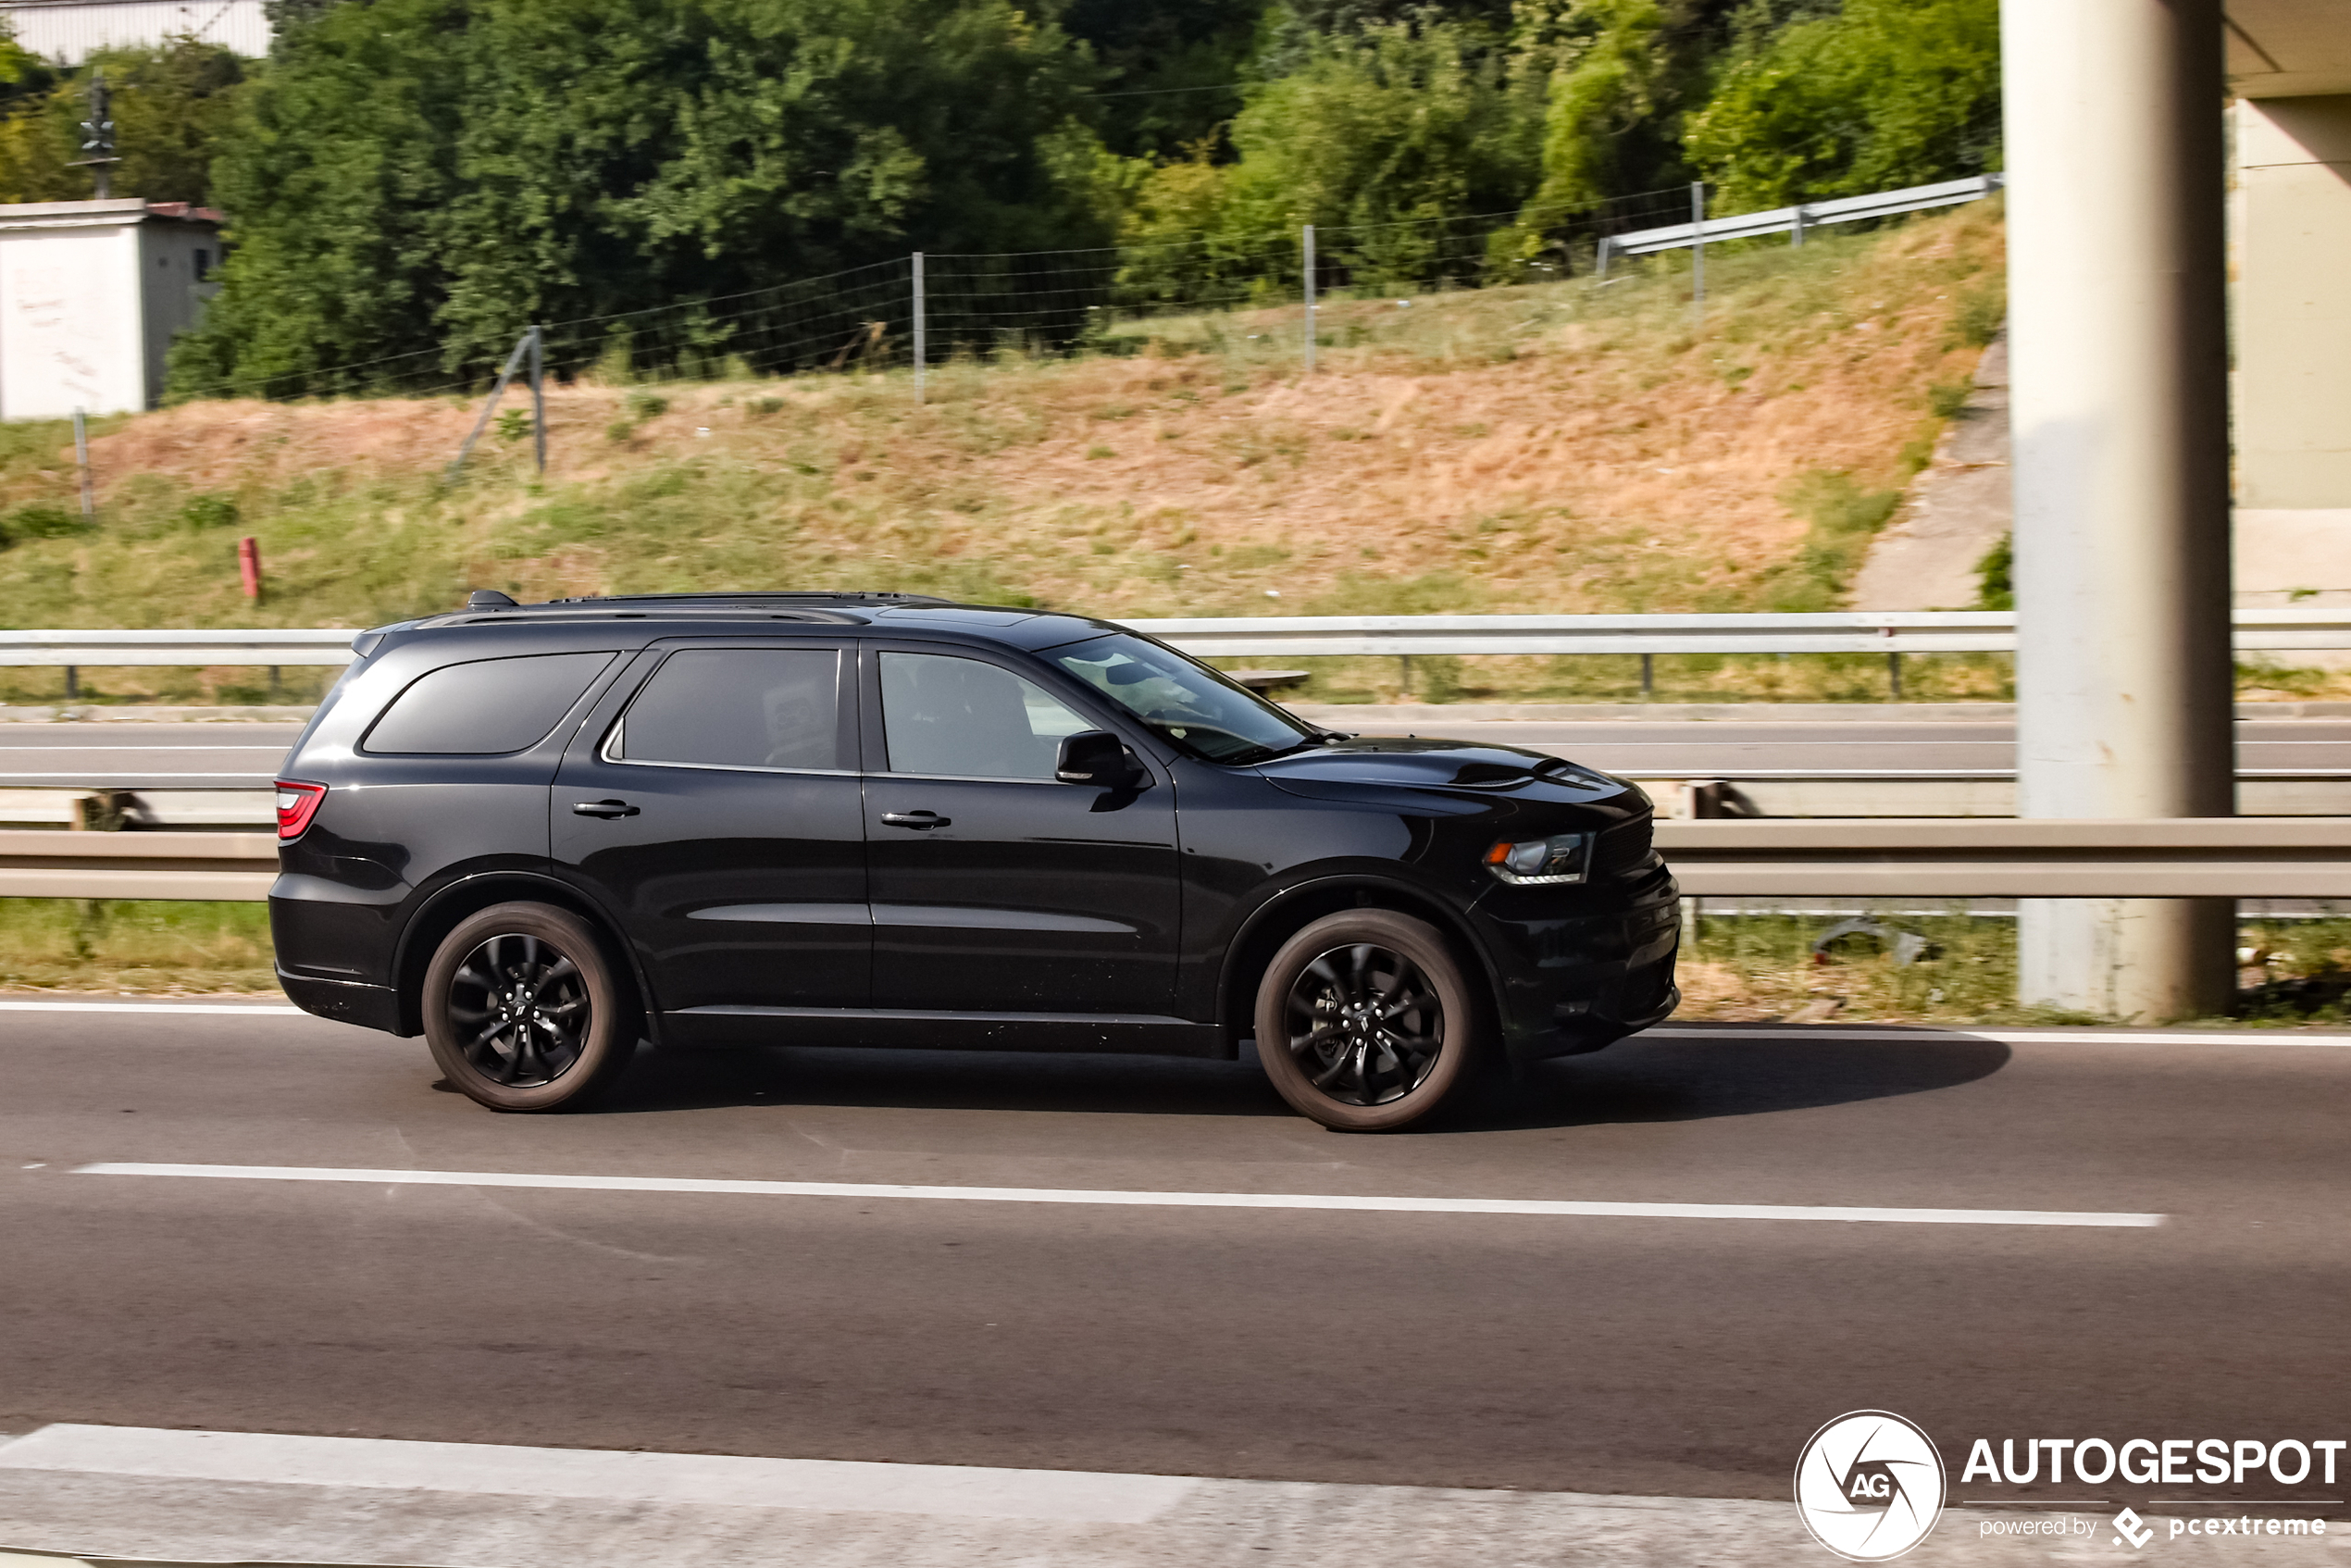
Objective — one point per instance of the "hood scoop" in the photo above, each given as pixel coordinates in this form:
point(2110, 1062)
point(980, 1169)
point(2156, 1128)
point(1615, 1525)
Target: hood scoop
point(1441, 764)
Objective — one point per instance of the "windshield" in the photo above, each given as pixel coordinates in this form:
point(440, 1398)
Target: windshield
point(1195, 707)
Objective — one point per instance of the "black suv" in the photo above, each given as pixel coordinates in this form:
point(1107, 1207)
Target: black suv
point(537, 834)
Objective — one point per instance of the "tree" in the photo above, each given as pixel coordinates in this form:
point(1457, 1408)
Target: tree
point(415, 172)
point(1170, 70)
point(172, 103)
point(1882, 94)
point(1379, 137)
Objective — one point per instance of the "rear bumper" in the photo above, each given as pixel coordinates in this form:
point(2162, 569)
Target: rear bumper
point(346, 1002)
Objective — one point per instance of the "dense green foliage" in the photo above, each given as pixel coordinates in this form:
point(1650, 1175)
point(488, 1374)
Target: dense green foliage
point(405, 175)
point(171, 106)
point(1877, 95)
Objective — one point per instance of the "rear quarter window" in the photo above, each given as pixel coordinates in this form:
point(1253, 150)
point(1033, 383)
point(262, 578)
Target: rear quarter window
point(484, 707)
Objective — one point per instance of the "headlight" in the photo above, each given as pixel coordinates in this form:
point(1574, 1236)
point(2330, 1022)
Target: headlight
point(1563, 858)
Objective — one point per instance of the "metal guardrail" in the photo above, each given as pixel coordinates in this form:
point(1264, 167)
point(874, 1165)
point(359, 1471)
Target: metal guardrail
point(1854, 632)
point(1798, 219)
point(2170, 857)
point(218, 866)
point(2186, 857)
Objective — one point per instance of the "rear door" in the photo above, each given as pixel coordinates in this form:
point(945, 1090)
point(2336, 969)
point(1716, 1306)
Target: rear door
point(714, 807)
point(995, 887)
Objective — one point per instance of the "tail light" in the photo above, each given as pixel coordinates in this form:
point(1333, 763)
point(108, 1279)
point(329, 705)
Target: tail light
point(297, 804)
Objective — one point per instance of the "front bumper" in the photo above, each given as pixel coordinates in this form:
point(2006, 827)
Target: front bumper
point(1576, 979)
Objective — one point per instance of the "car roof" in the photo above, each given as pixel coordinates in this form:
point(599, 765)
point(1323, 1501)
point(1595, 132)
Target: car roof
point(1014, 625)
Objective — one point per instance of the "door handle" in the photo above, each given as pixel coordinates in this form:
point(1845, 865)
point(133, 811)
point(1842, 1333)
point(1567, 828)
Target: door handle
point(916, 819)
point(603, 808)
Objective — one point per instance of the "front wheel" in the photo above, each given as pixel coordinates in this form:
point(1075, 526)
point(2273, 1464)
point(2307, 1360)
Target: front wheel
point(523, 1010)
point(1365, 1021)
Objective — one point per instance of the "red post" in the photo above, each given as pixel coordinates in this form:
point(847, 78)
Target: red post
point(249, 567)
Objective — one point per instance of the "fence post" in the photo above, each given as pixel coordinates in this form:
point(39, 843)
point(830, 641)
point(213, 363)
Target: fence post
point(1307, 236)
point(81, 465)
point(1697, 249)
point(513, 363)
point(1796, 233)
point(539, 394)
point(921, 338)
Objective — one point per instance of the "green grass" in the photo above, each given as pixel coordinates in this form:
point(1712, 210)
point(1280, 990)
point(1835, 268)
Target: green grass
point(2294, 972)
point(139, 945)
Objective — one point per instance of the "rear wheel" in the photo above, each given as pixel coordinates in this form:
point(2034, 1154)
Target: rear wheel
point(1365, 1021)
point(523, 1009)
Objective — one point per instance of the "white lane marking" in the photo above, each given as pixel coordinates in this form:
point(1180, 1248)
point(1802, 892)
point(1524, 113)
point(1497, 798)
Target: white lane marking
point(212, 1009)
point(1928, 1034)
point(1326, 1200)
point(831, 1485)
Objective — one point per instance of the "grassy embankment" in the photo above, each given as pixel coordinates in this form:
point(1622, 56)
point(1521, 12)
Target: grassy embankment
point(1558, 447)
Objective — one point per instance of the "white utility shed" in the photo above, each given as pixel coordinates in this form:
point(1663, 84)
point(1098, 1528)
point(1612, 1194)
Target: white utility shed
point(90, 295)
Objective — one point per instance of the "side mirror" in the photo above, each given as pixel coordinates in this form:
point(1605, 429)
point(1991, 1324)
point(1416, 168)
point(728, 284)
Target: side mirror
point(1096, 758)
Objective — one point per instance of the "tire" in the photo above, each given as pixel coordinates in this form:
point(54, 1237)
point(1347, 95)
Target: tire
point(1365, 1021)
point(574, 1032)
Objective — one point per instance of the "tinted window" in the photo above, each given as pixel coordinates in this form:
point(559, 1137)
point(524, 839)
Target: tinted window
point(738, 707)
point(488, 707)
point(1194, 706)
point(960, 716)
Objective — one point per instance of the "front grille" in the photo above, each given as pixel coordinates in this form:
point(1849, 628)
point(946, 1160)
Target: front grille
point(1623, 849)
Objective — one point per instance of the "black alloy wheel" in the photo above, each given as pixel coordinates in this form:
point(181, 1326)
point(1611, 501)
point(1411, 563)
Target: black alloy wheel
point(524, 1010)
point(1365, 1026)
point(521, 1010)
point(1366, 1020)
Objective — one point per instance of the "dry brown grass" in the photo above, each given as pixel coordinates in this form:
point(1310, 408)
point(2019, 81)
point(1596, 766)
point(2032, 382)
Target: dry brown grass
point(1560, 448)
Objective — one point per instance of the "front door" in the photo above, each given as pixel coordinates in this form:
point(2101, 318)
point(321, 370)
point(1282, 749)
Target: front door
point(995, 887)
point(719, 817)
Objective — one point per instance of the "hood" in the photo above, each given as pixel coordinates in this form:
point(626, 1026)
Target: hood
point(1448, 765)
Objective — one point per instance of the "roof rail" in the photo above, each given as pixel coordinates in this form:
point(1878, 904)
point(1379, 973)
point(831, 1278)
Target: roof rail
point(799, 596)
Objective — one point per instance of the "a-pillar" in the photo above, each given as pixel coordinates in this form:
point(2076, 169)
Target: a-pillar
point(2116, 324)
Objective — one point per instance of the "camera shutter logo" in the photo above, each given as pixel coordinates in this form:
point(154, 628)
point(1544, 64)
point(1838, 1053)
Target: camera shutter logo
point(1870, 1486)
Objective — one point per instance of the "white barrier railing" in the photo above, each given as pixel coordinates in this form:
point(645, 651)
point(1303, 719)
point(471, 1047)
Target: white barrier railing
point(1854, 631)
point(1799, 217)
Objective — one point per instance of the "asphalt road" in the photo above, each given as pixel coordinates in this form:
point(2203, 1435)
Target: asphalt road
point(1661, 1356)
point(212, 755)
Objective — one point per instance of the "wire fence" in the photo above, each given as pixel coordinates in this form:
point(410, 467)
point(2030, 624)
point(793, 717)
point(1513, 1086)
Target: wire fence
point(933, 309)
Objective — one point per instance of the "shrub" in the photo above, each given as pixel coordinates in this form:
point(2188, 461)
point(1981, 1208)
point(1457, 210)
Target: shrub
point(208, 511)
point(43, 522)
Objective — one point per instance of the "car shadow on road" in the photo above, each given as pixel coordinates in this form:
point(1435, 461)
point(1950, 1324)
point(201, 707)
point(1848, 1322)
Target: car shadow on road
point(1658, 1078)
point(945, 1080)
point(1678, 1077)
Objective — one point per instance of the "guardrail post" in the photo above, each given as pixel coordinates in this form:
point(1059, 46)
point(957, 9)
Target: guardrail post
point(2118, 313)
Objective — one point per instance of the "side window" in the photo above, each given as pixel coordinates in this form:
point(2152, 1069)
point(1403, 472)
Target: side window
point(738, 707)
point(486, 707)
point(961, 717)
